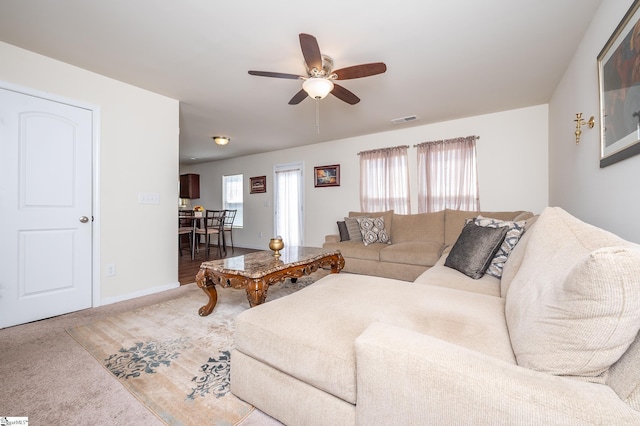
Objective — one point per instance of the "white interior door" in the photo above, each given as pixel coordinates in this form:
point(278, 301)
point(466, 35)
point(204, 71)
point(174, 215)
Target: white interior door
point(45, 205)
point(288, 205)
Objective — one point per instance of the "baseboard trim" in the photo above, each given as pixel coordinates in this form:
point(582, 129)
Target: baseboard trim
point(146, 292)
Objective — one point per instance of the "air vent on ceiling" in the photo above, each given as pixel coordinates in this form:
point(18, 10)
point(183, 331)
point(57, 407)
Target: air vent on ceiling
point(403, 120)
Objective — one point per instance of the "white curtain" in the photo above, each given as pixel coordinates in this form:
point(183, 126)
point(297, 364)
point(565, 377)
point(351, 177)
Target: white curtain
point(288, 208)
point(384, 180)
point(448, 175)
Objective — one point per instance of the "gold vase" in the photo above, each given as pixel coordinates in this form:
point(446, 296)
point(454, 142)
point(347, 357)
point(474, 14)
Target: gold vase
point(276, 244)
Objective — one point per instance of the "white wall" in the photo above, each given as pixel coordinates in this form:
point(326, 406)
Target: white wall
point(138, 153)
point(606, 197)
point(512, 162)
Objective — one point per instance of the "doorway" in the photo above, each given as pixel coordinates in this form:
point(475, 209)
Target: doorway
point(289, 203)
point(46, 199)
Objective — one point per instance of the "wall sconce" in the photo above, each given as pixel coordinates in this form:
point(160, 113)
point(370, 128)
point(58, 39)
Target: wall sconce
point(580, 122)
point(221, 140)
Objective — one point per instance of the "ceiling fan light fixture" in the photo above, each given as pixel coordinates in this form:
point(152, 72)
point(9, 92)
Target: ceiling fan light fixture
point(221, 140)
point(317, 87)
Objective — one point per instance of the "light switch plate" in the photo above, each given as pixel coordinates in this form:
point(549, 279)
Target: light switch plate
point(148, 198)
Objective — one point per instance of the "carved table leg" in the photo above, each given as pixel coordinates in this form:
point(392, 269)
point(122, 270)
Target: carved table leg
point(338, 264)
point(209, 287)
point(257, 292)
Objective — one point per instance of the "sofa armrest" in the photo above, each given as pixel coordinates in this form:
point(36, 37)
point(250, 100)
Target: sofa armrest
point(404, 377)
point(333, 238)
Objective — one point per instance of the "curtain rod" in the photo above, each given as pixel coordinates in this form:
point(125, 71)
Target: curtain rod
point(383, 149)
point(447, 140)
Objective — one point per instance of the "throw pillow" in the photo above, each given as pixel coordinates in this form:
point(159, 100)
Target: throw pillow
point(514, 232)
point(344, 232)
point(373, 231)
point(473, 250)
point(353, 229)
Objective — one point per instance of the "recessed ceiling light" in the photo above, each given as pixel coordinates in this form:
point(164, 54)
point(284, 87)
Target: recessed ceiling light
point(221, 140)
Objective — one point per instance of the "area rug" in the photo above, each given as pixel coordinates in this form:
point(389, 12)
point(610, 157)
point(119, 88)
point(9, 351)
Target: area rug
point(174, 361)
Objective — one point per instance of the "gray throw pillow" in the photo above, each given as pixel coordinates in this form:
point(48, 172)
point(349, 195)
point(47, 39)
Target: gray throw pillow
point(353, 228)
point(344, 232)
point(474, 249)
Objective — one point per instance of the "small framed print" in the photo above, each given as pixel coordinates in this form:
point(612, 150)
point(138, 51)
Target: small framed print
point(327, 176)
point(258, 184)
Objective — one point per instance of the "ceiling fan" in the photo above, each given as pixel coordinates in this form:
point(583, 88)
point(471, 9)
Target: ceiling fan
point(319, 81)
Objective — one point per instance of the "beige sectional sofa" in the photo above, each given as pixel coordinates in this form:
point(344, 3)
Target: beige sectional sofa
point(554, 341)
point(417, 242)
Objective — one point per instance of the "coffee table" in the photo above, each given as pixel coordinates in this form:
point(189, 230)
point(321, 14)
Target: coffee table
point(255, 272)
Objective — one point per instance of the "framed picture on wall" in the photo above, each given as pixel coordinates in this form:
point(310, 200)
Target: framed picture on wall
point(326, 175)
point(619, 85)
point(258, 184)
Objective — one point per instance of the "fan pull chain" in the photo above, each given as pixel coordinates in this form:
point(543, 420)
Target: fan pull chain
point(318, 115)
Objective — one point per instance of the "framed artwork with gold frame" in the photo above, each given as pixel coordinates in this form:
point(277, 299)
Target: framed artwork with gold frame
point(619, 87)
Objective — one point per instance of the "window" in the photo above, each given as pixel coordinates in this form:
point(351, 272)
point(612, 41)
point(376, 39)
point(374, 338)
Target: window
point(448, 175)
point(384, 180)
point(232, 197)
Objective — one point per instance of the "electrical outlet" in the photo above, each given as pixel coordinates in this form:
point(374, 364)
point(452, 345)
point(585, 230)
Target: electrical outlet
point(110, 269)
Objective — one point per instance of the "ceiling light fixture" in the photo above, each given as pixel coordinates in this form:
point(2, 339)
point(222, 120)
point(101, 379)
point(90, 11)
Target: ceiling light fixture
point(221, 140)
point(317, 87)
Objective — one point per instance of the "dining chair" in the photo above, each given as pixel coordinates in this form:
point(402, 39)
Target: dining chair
point(229, 217)
point(185, 227)
point(213, 225)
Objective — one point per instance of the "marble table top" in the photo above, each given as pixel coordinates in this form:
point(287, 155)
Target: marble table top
point(259, 264)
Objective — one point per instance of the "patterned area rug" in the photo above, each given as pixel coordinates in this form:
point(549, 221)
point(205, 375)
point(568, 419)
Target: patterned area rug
point(174, 361)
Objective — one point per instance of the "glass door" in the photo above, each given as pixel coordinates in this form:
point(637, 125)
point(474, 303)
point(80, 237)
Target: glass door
point(288, 203)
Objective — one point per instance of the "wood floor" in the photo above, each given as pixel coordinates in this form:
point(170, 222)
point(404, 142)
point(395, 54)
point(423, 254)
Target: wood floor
point(187, 268)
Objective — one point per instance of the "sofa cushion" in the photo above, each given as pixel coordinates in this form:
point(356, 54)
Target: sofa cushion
point(573, 308)
point(357, 250)
point(310, 334)
point(514, 232)
point(444, 276)
point(624, 375)
point(416, 253)
point(475, 247)
point(373, 231)
point(418, 227)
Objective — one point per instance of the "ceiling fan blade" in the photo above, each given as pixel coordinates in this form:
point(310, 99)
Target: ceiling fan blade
point(298, 97)
point(311, 51)
point(275, 74)
point(344, 94)
point(359, 71)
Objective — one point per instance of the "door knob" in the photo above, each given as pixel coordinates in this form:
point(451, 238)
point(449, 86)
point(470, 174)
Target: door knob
point(84, 219)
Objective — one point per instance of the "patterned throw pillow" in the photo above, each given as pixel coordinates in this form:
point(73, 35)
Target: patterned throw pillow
point(514, 232)
point(372, 229)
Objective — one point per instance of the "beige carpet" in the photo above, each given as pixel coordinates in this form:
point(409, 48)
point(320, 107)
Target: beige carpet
point(49, 378)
